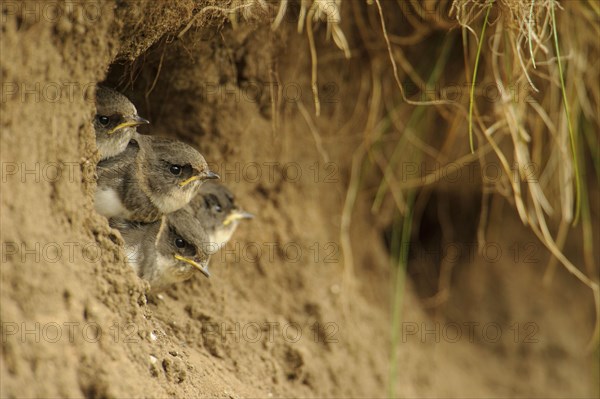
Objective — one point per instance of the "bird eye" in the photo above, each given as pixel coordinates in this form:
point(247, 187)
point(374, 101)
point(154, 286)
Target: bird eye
point(180, 243)
point(103, 119)
point(212, 203)
point(175, 169)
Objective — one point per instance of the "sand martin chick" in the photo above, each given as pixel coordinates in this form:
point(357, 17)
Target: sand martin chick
point(167, 251)
point(152, 177)
point(214, 206)
point(115, 122)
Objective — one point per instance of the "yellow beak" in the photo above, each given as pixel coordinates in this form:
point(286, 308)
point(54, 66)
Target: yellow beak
point(203, 268)
point(188, 181)
point(237, 215)
point(130, 121)
point(209, 175)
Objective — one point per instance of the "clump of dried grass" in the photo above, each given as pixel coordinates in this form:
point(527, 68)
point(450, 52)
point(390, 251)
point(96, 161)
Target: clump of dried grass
point(546, 92)
point(527, 56)
point(539, 131)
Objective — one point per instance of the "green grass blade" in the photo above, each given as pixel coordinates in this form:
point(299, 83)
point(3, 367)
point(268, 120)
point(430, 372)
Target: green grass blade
point(569, 124)
point(472, 93)
point(399, 283)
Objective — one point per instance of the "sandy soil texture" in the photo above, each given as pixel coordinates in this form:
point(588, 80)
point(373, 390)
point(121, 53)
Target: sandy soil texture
point(284, 313)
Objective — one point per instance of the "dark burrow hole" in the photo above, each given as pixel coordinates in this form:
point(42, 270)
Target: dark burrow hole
point(444, 232)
